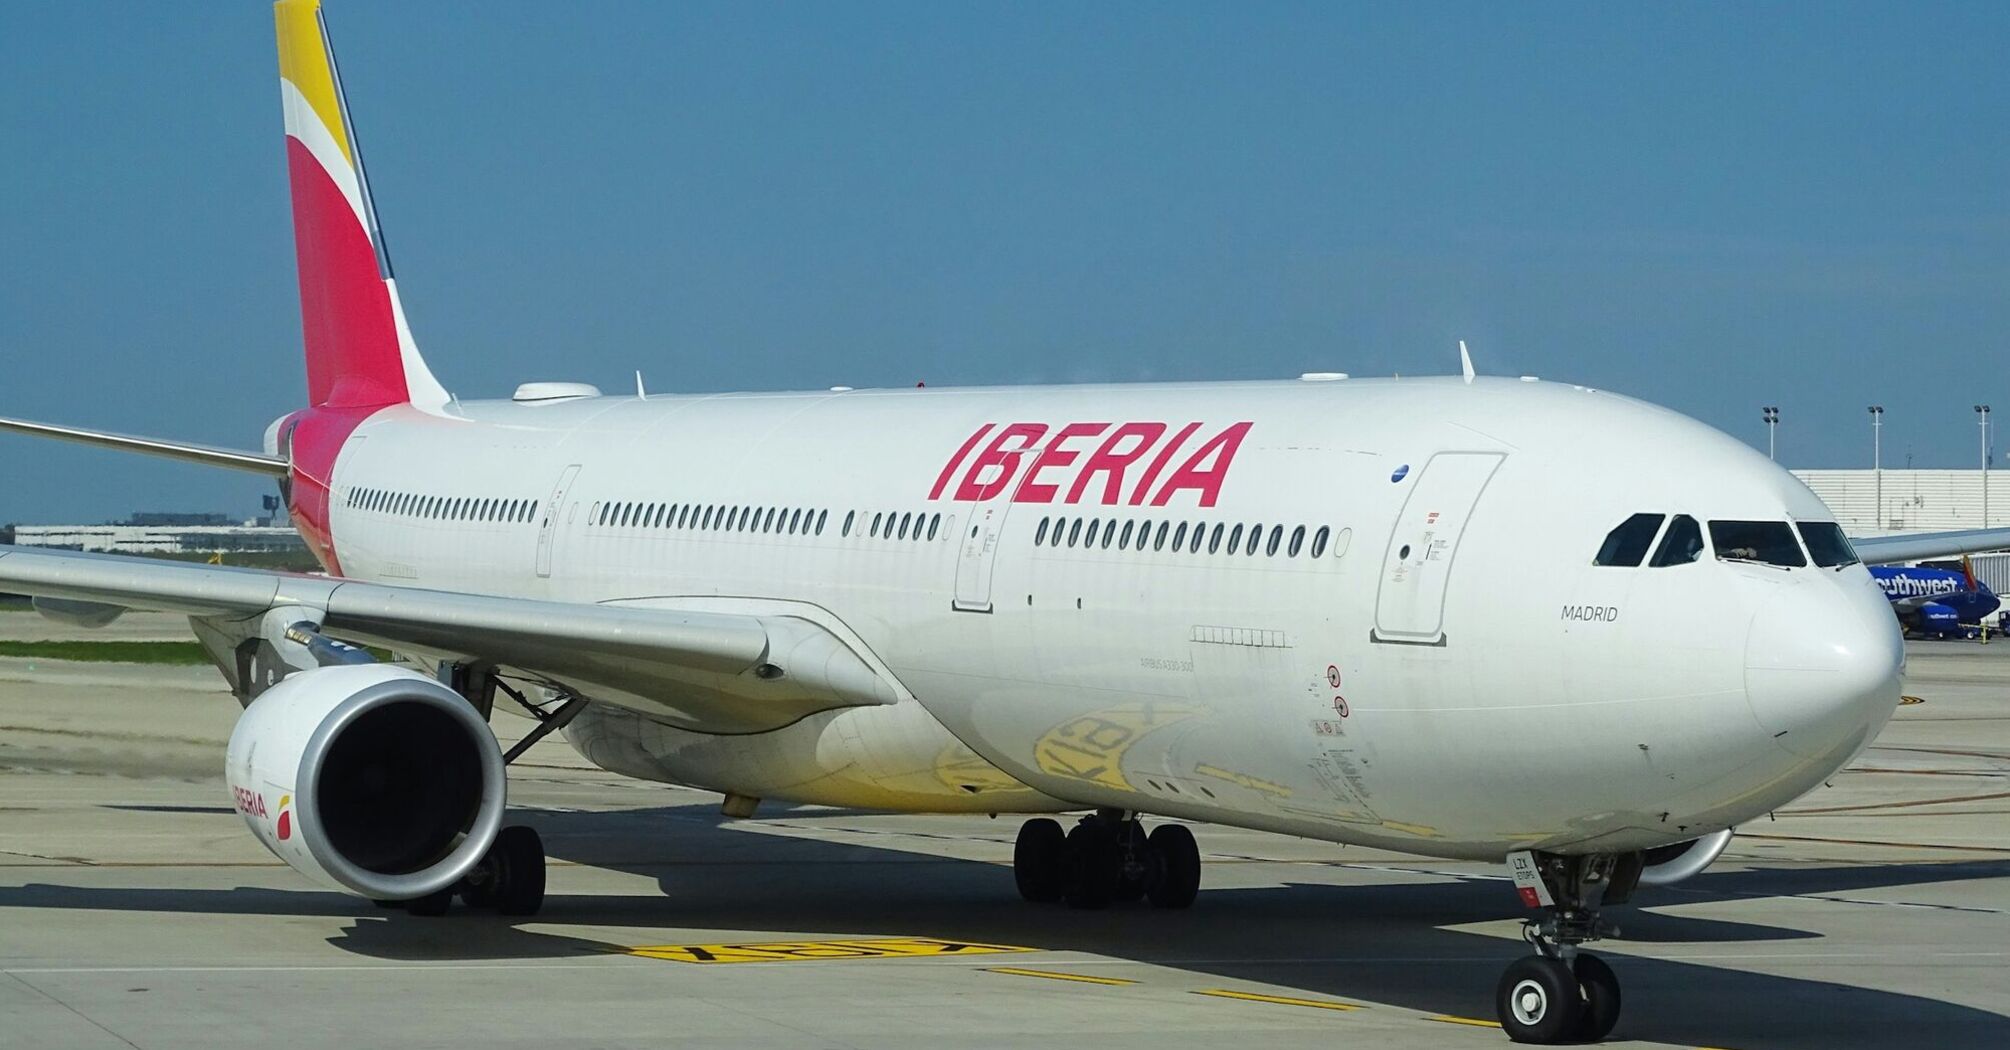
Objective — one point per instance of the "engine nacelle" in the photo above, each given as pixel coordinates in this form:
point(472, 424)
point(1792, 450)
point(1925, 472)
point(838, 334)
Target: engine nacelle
point(1668, 865)
point(369, 778)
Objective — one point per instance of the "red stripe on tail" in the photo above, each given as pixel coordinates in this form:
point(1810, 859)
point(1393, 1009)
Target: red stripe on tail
point(345, 308)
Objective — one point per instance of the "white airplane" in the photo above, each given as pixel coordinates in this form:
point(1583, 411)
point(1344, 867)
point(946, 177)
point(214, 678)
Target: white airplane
point(1473, 618)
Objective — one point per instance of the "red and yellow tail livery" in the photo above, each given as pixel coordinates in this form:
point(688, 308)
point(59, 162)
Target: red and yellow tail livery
point(360, 353)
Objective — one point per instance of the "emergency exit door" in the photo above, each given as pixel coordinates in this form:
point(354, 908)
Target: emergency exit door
point(1417, 568)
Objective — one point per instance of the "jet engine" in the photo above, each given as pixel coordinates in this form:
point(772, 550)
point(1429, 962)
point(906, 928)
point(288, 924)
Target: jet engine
point(369, 778)
point(1668, 865)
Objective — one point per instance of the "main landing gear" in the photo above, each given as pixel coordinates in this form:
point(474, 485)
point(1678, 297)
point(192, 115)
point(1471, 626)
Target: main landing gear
point(1106, 858)
point(508, 879)
point(1562, 994)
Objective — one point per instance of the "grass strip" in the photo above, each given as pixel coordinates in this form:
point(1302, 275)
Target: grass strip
point(109, 652)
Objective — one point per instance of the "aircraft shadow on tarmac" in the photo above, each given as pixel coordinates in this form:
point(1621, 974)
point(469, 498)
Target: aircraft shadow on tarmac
point(1382, 944)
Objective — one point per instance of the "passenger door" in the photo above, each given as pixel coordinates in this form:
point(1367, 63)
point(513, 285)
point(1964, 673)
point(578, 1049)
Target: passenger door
point(1417, 567)
point(547, 529)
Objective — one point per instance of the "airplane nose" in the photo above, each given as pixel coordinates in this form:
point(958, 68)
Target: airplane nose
point(1822, 665)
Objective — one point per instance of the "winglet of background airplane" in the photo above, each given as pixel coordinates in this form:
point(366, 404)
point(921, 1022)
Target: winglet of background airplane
point(1465, 361)
point(360, 352)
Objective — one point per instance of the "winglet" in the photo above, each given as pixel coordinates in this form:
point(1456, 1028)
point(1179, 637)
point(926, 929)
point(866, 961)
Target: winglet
point(1465, 361)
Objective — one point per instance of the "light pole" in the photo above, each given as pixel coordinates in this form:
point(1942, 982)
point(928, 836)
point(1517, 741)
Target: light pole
point(1982, 420)
point(1772, 418)
point(1877, 460)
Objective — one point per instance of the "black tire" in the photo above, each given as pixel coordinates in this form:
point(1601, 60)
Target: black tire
point(1040, 860)
point(519, 861)
point(1600, 987)
point(1173, 867)
point(1537, 1001)
point(432, 905)
point(1095, 865)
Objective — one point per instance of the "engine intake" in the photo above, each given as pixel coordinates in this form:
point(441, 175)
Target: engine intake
point(1668, 865)
point(369, 778)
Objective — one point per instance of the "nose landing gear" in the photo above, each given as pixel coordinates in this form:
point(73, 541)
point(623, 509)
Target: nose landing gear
point(1107, 857)
point(1562, 994)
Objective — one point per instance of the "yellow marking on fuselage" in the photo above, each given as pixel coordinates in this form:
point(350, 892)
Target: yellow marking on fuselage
point(818, 951)
point(1092, 746)
point(1244, 780)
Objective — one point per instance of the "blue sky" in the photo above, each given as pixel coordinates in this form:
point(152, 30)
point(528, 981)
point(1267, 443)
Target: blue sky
point(1713, 206)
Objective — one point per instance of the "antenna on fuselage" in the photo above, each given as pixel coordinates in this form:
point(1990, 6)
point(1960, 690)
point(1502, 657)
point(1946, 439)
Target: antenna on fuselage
point(1465, 361)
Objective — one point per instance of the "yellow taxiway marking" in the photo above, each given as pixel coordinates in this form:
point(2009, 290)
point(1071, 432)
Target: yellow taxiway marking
point(1908, 701)
point(1055, 975)
point(1281, 1000)
point(1474, 1021)
point(808, 951)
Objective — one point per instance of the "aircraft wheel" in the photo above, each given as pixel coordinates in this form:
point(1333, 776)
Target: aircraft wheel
point(518, 856)
point(1040, 860)
point(1601, 998)
point(1173, 867)
point(1095, 865)
point(1538, 1001)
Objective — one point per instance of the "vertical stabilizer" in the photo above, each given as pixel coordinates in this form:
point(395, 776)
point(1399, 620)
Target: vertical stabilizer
point(359, 350)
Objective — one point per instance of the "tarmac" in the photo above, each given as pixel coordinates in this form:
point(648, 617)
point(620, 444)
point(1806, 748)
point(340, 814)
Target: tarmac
point(136, 911)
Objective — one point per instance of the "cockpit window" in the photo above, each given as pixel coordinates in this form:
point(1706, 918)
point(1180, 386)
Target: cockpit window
point(1682, 545)
point(1827, 544)
point(1628, 543)
point(1767, 542)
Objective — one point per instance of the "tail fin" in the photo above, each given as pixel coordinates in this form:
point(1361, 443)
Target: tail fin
point(359, 350)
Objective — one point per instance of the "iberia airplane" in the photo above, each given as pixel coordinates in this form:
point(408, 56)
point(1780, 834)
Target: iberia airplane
point(1426, 615)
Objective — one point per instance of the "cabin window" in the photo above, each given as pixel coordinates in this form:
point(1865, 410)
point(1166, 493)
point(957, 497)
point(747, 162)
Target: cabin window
point(1627, 543)
point(1765, 542)
point(1040, 534)
point(795, 521)
point(821, 516)
point(1255, 537)
point(1179, 537)
point(845, 530)
point(1319, 541)
point(905, 520)
point(1827, 544)
point(1214, 538)
point(1089, 539)
point(1124, 544)
point(934, 522)
point(1074, 531)
point(1297, 541)
point(874, 531)
point(1234, 541)
point(1276, 537)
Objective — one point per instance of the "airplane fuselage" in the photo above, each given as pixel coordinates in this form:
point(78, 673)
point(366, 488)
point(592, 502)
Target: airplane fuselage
point(1360, 610)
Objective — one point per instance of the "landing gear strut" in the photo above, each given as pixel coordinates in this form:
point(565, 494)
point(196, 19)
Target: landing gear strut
point(1107, 857)
point(1562, 994)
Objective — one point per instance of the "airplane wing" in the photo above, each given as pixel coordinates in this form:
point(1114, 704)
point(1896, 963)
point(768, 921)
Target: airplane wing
point(708, 671)
point(1886, 550)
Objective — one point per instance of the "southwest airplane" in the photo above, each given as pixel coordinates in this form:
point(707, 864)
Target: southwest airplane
point(1420, 614)
point(1936, 601)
